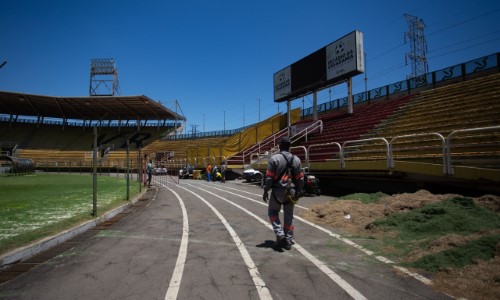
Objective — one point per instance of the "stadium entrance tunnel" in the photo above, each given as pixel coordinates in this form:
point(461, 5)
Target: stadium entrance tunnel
point(15, 165)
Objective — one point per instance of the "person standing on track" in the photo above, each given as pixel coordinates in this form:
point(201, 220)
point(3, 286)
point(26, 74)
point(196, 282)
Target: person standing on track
point(223, 170)
point(208, 172)
point(285, 191)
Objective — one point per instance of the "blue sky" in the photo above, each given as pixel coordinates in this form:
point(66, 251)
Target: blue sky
point(216, 56)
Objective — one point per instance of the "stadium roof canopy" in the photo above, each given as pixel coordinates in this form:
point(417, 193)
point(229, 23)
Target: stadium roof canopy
point(85, 108)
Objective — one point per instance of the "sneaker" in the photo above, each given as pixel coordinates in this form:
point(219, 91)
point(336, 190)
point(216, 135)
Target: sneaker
point(280, 241)
point(287, 244)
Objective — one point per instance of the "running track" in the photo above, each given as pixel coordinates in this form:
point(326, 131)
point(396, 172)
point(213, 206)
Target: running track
point(200, 240)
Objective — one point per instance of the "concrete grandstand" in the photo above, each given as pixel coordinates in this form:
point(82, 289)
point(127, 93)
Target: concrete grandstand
point(437, 131)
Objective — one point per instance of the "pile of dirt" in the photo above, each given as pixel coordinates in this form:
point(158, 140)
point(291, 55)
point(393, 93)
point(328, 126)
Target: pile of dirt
point(478, 281)
point(352, 217)
point(490, 202)
point(447, 242)
point(355, 218)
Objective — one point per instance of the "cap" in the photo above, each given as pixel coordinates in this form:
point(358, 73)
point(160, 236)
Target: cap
point(285, 141)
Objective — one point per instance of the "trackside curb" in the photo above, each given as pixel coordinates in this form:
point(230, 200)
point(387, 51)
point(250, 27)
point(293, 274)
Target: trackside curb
point(24, 253)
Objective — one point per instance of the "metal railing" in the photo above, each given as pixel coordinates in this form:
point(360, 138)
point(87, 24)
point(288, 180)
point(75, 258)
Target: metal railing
point(473, 145)
point(449, 169)
point(439, 136)
point(445, 148)
point(390, 163)
point(266, 144)
point(270, 144)
point(309, 129)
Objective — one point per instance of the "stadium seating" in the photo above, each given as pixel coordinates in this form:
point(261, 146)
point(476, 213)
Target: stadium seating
point(464, 105)
point(426, 114)
point(53, 144)
point(340, 126)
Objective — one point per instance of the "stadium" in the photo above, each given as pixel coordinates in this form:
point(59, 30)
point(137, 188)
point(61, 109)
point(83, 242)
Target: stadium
point(438, 132)
point(421, 154)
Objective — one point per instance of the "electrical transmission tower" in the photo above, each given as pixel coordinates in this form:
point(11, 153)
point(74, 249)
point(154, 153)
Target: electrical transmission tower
point(103, 77)
point(418, 46)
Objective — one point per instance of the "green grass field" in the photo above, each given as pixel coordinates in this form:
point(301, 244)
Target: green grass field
point(419, 228)
point(36, 206)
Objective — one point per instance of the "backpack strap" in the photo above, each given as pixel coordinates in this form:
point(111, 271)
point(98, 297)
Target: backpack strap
point(289, 165)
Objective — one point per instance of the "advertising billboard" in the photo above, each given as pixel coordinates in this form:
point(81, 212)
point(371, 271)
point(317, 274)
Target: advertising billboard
point(282, 83)
point(329, 65)
point(345, 56)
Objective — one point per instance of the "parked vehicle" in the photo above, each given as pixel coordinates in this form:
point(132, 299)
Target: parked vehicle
point(186, 172)
point(252, 175)
point(311, 185)
point(160, 171)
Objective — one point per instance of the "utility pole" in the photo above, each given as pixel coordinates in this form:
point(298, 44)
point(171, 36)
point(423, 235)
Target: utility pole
point(175, 125)
point(366, 79)
point(259, 108)
point(94, 175)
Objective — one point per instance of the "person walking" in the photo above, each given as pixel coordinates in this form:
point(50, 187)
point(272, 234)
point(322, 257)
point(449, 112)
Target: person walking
point(286, 179)
point(149, 171)
point(144, 173)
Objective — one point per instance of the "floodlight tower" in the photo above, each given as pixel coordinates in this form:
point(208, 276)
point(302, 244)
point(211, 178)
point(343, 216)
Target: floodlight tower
point(418, 46)
point(103, 77)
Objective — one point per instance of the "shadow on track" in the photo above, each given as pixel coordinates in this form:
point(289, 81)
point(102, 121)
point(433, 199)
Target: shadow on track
point(270, 244)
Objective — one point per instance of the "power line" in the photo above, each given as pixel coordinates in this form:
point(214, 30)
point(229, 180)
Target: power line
point(466, 48)
point(464, 41)
point(464, 22)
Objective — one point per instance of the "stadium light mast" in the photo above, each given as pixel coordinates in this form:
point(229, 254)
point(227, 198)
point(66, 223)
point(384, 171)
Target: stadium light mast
point(418, 46)
point(103, 77)
point(193, 129)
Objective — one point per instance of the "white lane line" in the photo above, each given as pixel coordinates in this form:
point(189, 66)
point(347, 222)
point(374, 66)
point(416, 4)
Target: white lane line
point(175, 281)
point(259, 283)
point(322, 266)
point(417, 276)
point(258, 195)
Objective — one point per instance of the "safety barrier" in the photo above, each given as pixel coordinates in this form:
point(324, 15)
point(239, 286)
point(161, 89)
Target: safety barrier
point(478, 147)
point(270, 144)
point(446, 148)
point(449, 169)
